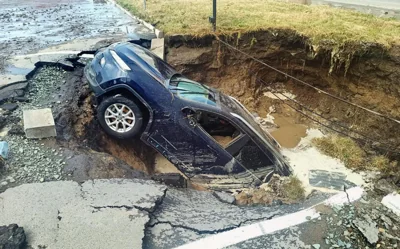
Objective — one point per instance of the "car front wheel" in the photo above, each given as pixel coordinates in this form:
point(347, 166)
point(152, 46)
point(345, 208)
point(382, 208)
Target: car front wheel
point(120, 117)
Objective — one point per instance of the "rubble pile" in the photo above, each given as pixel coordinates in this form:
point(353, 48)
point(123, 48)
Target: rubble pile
point(277, 191)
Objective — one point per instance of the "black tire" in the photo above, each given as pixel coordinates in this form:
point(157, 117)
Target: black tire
point(119, 101)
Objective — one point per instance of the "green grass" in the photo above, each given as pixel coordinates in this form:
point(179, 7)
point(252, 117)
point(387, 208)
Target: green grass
point(322, 24)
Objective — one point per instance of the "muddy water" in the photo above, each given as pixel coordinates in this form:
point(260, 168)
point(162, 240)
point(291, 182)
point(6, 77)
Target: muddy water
point(162, 165)
point(28, 25)
point(289, 132)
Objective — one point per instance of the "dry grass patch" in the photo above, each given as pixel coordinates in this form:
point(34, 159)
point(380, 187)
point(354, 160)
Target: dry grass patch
point(293, 189)
point(354, 157)
point(316, 22)
point(343, 148)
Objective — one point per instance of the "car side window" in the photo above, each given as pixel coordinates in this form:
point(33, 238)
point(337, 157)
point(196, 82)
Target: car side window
point(235, 142)
point(221, 130)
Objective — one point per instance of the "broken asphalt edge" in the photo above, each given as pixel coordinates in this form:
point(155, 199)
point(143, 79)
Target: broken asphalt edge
point(30, 75)
point(269, 226)
point(159, 33)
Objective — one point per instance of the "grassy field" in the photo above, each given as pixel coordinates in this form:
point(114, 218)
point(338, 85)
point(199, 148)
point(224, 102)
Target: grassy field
point(316, 22)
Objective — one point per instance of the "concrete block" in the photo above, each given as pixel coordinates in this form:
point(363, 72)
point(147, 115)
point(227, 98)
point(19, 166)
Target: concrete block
point(392, 201)
point(39, 123)
point(159, 33)
point(157, 47)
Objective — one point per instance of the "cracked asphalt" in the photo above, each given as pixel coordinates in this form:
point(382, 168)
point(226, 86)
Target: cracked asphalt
point(124, 213)
point(96, 214)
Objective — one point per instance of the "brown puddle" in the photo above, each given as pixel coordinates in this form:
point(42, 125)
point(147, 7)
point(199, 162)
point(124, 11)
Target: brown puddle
point(289, 133)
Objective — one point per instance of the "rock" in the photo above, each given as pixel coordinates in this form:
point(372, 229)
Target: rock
point(12, 237)
point(21, 99)
point(384, 187)
point(368, 228)
point(16, 130)
point(316, 246)
point(10, 179)
point(9, 106)
point(41, 179)
point(3, 121)
point(224, 197)
point(392, 201)
point(39, 123)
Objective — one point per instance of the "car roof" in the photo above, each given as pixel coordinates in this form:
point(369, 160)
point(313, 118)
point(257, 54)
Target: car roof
point(133, 53)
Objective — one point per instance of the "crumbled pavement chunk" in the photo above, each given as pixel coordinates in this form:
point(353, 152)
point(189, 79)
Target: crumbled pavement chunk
point(9, 106)
point(224, 197)
point(16, 130)
point(368, 228)
point(12, 237)
point(316, 246)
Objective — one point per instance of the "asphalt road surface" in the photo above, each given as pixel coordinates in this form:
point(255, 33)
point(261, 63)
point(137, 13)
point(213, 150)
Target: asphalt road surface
point(380, 8)
point(29, 25)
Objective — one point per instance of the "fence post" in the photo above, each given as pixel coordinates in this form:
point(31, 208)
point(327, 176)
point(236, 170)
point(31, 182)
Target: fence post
point(213, 18)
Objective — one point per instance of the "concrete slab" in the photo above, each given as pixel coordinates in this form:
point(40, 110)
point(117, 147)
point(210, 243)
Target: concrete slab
point(82, 227)
point(61, 214)
point(122, 193)
point(157, 47)
point(9, 78)
point(12, 90)
point(35, 208)
point(39, 123)
point(392, 201)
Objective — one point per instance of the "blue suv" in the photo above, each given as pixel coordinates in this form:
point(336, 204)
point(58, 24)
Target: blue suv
point(209, 136)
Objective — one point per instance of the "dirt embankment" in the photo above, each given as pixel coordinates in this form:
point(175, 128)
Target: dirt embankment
point(77, 124)
point(365, 74)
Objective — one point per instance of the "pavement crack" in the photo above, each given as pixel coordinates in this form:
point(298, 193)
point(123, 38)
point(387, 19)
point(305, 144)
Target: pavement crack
point(198, 231)
point(152, 216)
point(214, 231)
point(257, 219)
point(127, 207)
point(347, 194)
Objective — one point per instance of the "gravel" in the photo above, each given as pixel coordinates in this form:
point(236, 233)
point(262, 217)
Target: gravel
point(365, 224)
point(34, 160)
point(43, 90)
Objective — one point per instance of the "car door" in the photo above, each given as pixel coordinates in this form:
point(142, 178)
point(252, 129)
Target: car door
point(176, 138)
point(242, 152)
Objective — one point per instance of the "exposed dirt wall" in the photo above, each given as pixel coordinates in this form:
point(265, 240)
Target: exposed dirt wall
point(77, 124)
point(365, 74)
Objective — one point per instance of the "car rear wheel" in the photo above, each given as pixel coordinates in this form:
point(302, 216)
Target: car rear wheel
point(120, 117)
